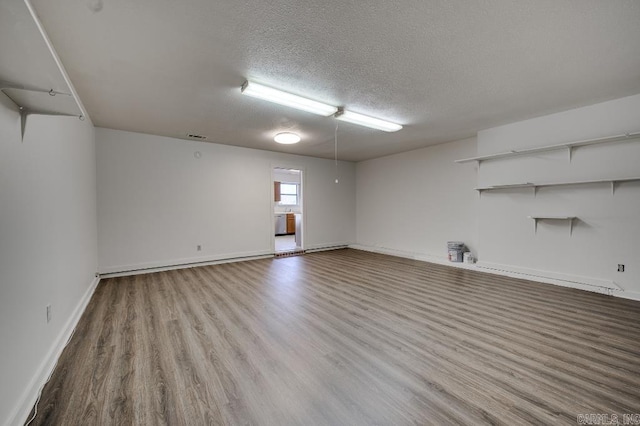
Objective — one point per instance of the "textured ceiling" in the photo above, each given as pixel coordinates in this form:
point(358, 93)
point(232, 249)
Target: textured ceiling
point(443, 69)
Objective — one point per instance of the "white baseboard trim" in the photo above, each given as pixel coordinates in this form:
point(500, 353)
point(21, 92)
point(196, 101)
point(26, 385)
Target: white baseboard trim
point(324, 247)
point(440, 260)
point(631, 295)
point(159, 266)
point(23, 408)
point(596, 285)
point(167, 265)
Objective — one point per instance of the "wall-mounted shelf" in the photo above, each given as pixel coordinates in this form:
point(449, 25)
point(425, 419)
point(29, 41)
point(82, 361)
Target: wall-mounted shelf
point(569, 146)
point(37, 101)
point(537, 219)
point(510, 186)
point(535, 186)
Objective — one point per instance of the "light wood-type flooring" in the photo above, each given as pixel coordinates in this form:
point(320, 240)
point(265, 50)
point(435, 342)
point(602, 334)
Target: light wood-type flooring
point(344, 337)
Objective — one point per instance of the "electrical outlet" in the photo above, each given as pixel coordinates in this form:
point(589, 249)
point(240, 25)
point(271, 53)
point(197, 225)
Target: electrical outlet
point(48, 313)
point(199, 247)
point(620, 267)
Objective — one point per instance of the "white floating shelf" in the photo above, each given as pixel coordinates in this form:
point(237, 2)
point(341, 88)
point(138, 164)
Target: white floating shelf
point(42, 101)
point(536, 219)
point(510, 186)
point(568, 146)
point(535, 186)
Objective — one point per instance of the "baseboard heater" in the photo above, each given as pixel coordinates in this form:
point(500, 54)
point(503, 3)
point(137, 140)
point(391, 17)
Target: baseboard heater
point(327, 248)
point(151, 269)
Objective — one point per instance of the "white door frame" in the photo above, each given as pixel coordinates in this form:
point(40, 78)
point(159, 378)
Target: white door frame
point(303, 208)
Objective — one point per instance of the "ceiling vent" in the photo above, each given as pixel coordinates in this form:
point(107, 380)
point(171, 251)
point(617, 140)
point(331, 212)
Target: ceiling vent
point(194, 136)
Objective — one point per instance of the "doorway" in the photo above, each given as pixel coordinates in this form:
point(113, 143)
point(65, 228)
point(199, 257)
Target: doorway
point(287, 209)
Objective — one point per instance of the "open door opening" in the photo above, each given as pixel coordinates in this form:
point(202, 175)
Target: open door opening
point(287, 210)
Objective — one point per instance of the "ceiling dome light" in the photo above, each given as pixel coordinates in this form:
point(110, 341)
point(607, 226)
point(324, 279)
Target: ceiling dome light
point(287, 138)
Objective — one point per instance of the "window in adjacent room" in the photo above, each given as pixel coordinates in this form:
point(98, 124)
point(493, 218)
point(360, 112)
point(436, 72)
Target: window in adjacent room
point(289, 194)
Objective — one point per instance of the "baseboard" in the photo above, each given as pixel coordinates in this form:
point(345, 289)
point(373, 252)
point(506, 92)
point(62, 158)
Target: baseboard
point(159, 266)
point(29, 397)
point(325, 247)
point(596, 285)
point(631, 295)
point(440, 260)
point(166, 265)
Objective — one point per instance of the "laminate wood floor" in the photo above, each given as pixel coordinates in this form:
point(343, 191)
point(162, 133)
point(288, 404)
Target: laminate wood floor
point(344, 337)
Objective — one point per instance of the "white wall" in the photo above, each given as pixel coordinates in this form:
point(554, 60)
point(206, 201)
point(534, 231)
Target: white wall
point(48, 246)
point(410, 204)
point(413, 203)
point(608, 229)
point(157, 202)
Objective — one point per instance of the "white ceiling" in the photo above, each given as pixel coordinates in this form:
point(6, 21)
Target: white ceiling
point(443, 69)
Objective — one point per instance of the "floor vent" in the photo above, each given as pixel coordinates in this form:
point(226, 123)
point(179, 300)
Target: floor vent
point(289, 253)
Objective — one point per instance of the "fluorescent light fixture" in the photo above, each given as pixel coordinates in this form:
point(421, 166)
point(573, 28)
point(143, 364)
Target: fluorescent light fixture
point(364, 120)
point(283, 98)
point(287, 138)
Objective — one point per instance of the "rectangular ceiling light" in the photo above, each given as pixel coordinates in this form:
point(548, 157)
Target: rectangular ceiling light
point(364, 120)
point(283, 98)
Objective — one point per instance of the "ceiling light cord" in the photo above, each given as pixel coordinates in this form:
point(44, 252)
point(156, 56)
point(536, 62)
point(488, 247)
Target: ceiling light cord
point(336, 151)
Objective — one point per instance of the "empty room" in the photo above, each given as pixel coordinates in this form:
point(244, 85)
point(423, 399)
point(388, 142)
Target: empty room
point(319, 213)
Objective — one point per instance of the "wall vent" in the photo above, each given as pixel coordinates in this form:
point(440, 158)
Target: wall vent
point(194, 136)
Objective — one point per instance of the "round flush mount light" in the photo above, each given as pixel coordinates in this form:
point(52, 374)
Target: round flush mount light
point(287, 138)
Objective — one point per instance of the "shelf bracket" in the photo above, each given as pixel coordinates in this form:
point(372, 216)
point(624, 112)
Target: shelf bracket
point(613, 187)
point(25, 112)
point(536, 219)
point(23, 122)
